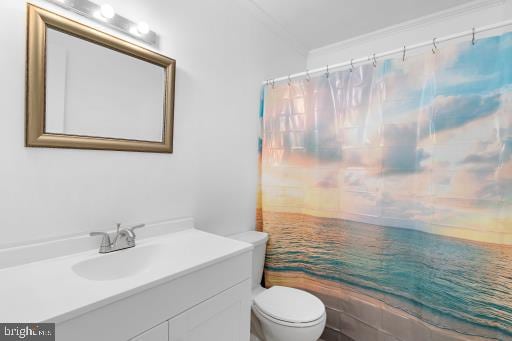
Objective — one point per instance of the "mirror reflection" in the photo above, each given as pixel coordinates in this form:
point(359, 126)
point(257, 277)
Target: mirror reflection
point(92, 90)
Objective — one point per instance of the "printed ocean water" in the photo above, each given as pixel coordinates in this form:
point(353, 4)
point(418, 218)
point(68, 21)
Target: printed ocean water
point(451, 283)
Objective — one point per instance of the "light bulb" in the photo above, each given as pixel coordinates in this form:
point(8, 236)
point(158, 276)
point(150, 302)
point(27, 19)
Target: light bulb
point(107, 11)
point(143, 28)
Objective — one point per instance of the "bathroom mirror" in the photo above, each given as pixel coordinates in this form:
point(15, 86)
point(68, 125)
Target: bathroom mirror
point(87, 89)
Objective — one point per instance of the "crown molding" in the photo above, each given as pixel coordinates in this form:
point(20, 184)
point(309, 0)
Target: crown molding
point(427, 20)
point(275, 27)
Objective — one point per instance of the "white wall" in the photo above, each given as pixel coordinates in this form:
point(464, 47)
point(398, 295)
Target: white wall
point(461, 18)
point(223, 52)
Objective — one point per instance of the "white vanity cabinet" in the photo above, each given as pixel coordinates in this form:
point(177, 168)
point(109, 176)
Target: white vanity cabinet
point(221, 318)
point(177, 283)
point(210, 303)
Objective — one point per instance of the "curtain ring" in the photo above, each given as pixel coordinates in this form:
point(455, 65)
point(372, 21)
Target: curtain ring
point(435, 48)
point(403, 55)
point(351, 65)
point(374, 61)
point(473, 40)
point(327, 71)
point(308, 76)
point(289, 81)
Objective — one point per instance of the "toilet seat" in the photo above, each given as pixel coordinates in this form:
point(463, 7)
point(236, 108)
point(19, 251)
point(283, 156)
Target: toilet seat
point(290, 307)
point(261, 314)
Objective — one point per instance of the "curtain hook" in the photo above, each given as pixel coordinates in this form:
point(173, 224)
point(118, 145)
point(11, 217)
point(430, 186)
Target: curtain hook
point(473, 40)
point(403, 55)
point(351, 65)
point(327, 71)
point(273, 83)
point(289, 81)
point(435, 48)
point(374, 61)
point(308, 76)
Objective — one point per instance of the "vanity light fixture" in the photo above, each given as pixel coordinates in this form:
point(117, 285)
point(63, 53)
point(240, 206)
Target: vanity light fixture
point(143, 27)
point(107, 11)
point(106, 15)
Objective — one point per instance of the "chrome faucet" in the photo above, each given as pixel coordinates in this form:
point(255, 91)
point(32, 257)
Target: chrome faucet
point(123, 239)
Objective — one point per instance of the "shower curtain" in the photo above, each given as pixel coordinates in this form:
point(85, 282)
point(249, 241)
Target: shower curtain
point(386, 190)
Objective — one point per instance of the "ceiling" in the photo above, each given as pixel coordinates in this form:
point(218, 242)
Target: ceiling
point(316, 23)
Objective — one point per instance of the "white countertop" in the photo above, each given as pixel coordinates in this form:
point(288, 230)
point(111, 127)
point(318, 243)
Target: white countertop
point(51, 291)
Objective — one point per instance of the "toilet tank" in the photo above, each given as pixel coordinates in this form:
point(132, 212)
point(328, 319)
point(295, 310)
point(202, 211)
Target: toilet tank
point(259, 241)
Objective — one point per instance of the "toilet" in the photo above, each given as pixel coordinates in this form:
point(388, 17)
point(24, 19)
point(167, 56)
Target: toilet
point(280, 313)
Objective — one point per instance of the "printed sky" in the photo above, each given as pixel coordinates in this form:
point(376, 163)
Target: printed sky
point(423, 144)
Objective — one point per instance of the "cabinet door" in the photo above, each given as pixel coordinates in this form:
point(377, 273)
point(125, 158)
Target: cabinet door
point(158, 333)
point(224, 317)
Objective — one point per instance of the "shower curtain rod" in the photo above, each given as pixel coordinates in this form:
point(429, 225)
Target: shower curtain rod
point(373, 58)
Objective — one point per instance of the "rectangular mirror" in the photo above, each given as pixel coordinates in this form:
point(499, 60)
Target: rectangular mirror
point(87, 89)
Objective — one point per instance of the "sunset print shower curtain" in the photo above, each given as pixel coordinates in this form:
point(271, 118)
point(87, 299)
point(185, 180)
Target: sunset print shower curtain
point(391, 185)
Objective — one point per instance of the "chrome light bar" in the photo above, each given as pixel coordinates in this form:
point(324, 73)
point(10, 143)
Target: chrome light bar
point(105, 15)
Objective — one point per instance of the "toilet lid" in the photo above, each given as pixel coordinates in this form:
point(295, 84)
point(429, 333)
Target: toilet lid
point(290, 305)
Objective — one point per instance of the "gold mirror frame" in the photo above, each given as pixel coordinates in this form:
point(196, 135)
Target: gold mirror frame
point(38, 20)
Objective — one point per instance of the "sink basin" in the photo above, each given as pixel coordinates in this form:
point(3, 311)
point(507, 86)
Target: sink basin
point(118, 264)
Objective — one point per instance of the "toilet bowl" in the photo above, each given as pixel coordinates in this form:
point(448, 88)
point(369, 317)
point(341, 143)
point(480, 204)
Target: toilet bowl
point(280, 313)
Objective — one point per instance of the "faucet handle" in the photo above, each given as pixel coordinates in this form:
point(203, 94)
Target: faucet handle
point(105, 242)
point(133, 228)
